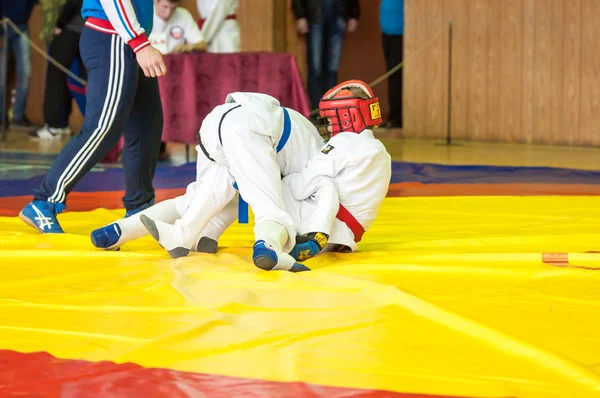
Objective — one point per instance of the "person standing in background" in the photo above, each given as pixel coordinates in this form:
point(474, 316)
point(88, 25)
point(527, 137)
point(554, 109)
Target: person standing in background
point(325, 22)
point(219, 26)
point(64, 48)
point(391, 19)
point(18, 11)
point(50, 10)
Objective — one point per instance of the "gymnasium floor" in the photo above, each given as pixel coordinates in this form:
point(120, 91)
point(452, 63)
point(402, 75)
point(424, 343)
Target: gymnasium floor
point(480, 278)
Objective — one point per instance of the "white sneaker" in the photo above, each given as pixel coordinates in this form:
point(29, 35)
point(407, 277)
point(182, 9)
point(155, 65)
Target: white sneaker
point(46, 133)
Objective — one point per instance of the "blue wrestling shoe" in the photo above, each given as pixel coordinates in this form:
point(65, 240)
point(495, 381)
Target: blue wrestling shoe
point(265, 257)
point(106, 237)
point(143, 207)
point(41, 215)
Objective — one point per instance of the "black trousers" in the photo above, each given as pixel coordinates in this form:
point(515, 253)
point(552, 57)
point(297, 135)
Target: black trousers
point(57, 97)
point(393, 51)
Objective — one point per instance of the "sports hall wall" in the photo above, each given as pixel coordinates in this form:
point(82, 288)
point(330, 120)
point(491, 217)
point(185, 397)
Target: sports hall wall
point(522, 70)
point(266, 25)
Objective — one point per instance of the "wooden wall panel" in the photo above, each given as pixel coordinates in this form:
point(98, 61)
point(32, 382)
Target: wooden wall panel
point(415, 74)
point(477, 72)
point(511, 32)
point(495, 11)
point(590, 88)
point(527, 75)
point(542, 68)
point(571, 60)
point(523, 70)
point(437, 69)
point(410, 95)
point(556, 73)
point(458, 13)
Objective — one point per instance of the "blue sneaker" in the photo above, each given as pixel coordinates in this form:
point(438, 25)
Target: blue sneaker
point(265, 257)
point(106, 237)
point(143, 207)
point(41, 215)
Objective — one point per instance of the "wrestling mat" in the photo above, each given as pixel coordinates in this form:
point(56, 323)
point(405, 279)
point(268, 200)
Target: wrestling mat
point(464, 296)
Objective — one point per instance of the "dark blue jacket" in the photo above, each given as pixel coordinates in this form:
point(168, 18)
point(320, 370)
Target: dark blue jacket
point(17, 11)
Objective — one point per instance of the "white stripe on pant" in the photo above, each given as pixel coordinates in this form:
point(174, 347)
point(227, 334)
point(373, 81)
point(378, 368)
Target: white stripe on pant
point(109, 111)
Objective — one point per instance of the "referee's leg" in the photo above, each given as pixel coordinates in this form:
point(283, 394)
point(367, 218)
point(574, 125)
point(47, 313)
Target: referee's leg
point(112, 82)
point(142, 136)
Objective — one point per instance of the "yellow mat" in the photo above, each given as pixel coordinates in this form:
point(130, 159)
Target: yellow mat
point(448, 296)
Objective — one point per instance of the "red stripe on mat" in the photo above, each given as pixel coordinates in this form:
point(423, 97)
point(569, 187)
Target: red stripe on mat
point(42, 375)
point(83, 201)
point(420, 189)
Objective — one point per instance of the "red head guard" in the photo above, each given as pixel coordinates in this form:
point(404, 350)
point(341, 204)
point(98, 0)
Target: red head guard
point(347, 112)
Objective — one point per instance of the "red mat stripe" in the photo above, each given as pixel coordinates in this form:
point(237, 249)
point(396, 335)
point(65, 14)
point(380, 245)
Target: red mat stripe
point(84, 201)
point(42, 375)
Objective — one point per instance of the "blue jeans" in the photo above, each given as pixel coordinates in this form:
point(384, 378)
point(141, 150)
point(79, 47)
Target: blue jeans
point(19, 47)
point(323, 52)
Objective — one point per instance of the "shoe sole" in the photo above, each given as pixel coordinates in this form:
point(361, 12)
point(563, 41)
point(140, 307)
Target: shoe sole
point(153, 230)
point(113, 248)
point(27, 221)
point(264, 263)
point(37, 138)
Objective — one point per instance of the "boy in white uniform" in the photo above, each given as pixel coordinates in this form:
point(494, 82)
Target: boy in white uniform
point(174, 29)
point(219, 25)
point(358, 163)
point(250, 141)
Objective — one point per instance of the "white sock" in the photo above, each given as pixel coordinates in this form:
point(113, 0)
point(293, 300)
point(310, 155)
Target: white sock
point(273, 233)
point(277, 236)
point(132, 228)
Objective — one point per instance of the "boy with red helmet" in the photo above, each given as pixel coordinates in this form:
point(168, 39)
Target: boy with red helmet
point(357, 162)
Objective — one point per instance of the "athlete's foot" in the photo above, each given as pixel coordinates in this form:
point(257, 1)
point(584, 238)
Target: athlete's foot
point(41, 215)
point(107, 237)
point(207, 245)
point(167, 236)
point(265, 257)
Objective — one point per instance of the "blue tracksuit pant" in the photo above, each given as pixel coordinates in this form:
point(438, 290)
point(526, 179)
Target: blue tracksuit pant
point(119, 100)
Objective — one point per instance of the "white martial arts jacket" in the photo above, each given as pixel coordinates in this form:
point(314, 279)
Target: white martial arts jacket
point(177, 30)
point(361, 168)
point(246, 125)
point(220, 29)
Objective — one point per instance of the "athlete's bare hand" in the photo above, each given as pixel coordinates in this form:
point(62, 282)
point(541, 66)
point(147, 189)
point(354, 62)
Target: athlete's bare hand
point(151, 61)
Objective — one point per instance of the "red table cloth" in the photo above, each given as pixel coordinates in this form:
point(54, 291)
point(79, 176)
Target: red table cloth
point(196, 83)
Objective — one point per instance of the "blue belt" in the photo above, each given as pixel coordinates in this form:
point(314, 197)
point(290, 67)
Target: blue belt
point(285, 136)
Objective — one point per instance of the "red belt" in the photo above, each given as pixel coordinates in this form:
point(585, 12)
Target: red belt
point(201, 21)
point(344, 216)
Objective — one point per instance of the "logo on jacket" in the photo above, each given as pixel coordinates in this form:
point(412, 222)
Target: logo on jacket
point(176, 32)
point(328, 148)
